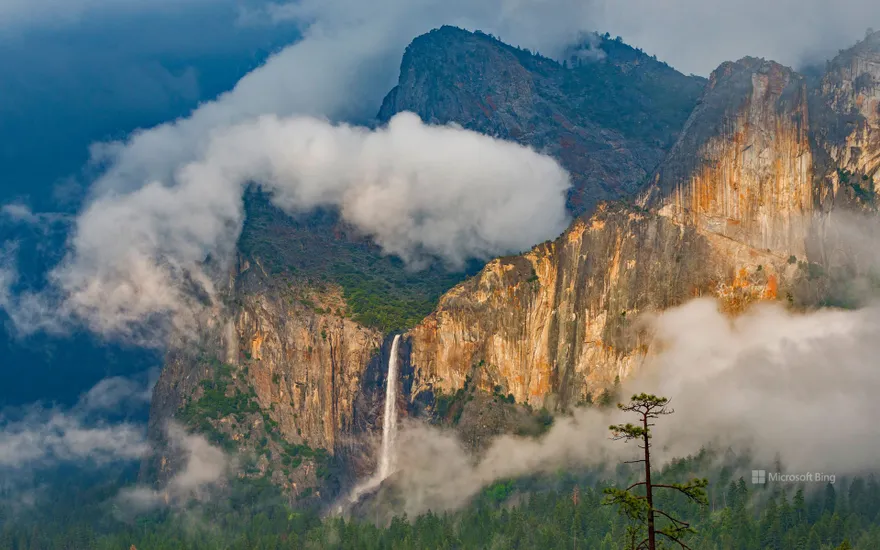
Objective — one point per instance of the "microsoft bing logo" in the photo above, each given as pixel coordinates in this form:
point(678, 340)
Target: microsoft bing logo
point(759, 477)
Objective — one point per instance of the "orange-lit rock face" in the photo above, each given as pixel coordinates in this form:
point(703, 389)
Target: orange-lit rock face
point(746, 175)
point(723, 215)
point(560, 322)
point(304, 363)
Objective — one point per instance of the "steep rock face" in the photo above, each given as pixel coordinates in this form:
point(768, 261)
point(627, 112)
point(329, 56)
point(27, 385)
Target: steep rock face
point(289, 372)
point(743, 167)
point(722, 217)
point(759, 159)
point(305, 362)
point(555, 326)
point(851, 90)
point(275, 378)
point(609, 120)
point(848, 106)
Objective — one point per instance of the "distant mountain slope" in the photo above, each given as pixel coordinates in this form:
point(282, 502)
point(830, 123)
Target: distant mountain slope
point(609, 116)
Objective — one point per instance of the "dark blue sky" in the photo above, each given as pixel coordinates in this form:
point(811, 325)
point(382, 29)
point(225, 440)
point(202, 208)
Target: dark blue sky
point(101, 77)
point(65, 86)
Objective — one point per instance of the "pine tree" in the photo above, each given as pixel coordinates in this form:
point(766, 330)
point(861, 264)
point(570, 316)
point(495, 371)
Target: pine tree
point(830, 498)
point(640, 508)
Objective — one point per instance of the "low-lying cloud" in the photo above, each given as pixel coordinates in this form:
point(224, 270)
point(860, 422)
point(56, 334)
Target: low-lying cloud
point(96, 433)
point(119, 393)
point(205, 467)
point(62, 438)
point(39, 437)
point(418, 191)
point(771, 383)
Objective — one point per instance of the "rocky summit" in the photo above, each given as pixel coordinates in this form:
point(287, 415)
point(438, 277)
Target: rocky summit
point(608, 114)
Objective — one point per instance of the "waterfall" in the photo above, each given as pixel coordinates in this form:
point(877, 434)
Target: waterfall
point(389, 422)
point(389, 432)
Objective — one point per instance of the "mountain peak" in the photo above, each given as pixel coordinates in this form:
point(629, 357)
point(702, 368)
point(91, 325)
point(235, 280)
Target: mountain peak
point(871, 43)
point(747, 66)
point(609, 142)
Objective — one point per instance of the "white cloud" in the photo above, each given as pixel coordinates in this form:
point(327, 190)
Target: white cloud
point(8, 276)
point(347, 60)
point(62, 438)
point(144, 233)
point(696, 36)
point(801, 385)
point(21, 214)
point(118, 392)
point(417, 190)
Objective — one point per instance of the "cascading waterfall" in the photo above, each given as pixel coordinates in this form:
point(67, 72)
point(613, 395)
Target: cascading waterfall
point(389, 422)
point(389, 431)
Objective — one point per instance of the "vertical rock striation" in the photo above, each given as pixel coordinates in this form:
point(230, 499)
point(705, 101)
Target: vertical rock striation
point(743, 166)
point(304, 361)
point(847, 106)
point(297, 368)
point(557, 325)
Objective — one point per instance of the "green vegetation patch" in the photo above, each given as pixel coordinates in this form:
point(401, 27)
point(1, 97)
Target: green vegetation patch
point(380, 291)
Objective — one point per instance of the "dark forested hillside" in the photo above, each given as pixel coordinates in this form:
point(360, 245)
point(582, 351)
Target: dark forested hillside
point(567, 513)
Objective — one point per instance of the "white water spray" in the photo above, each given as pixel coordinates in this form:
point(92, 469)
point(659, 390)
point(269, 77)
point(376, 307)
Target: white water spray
point(389, 432)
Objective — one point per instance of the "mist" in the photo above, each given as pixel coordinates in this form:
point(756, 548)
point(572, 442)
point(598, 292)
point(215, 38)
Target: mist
point(205, 468)
point(164, 198)
point(771, 384)
point(419, 191)
point(695, 37)
point(97, 430)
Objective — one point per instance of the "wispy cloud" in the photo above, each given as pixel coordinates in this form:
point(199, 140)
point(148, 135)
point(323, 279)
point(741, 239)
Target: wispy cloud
point(57, 437)
point(419, 191)
point(346, 61)
point(39, 436)
point(205, 468)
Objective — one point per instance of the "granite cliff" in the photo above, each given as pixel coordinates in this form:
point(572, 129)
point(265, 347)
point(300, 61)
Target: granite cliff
point(295, 356)
point(731, 194)
point(847, 103)
point(739, 209)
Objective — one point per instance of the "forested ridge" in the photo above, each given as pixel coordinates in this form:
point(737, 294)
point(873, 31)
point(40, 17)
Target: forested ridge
point(563, 511)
